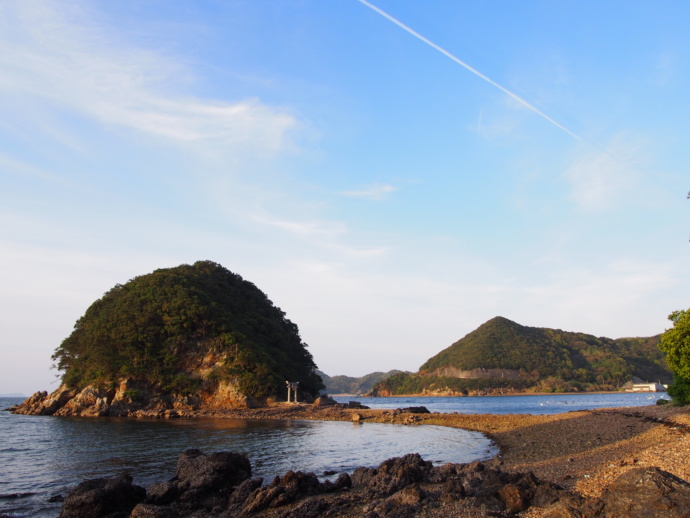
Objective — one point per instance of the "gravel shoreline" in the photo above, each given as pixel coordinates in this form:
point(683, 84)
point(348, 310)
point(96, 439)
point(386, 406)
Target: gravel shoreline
point(583, 451)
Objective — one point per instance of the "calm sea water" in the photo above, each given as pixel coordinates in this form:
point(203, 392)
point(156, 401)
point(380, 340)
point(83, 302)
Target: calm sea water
point(542, 404)
point(41, 456)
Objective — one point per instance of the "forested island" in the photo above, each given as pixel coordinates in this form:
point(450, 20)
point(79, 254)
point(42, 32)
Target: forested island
point(177, 340)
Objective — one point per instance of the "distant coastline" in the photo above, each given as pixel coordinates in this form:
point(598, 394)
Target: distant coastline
point(13, 394)
point(432, 395)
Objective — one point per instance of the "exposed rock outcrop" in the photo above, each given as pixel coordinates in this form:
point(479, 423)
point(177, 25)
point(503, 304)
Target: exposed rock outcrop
point(131, 398)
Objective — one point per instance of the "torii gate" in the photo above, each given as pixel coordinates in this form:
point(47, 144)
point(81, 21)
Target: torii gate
point(292, 386)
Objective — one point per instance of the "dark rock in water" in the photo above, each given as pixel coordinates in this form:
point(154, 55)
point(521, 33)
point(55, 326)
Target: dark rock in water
point(646, 493)
point(56, 498)
point(103, 497)
point(357, 405)
point(217, 471)
point(206, 481)
point(415, 410)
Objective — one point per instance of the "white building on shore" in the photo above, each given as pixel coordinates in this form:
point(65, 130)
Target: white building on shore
point(646, 387)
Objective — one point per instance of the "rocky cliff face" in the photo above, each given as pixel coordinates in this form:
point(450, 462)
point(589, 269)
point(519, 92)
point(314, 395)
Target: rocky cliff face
point(131, 398)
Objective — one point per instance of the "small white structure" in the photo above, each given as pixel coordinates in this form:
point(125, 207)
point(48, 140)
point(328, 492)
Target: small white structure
point(292, 386)
point(647, 387)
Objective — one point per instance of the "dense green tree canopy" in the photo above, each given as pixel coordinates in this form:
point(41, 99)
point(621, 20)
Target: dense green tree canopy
point(675, 342)
point(157, 326)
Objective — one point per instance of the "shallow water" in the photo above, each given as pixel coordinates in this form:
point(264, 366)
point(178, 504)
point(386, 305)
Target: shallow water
point(41, 456)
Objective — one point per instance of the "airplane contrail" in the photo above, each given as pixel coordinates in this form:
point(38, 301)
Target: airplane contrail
point(468, 67)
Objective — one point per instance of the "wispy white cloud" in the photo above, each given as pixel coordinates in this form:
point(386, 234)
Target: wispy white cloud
point(59, 54)
point(594, 300)
point(307, 228)
point(374, 193)
point(11, 165)
point(605, 179)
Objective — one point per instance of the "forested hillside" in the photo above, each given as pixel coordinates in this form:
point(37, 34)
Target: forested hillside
point(503, 355)
point(187, 329)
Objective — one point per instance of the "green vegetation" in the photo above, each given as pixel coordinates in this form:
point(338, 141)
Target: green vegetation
point(407, 383)
point(159, 328)
point(537, 359)
point(675, 342)
point(351, 385)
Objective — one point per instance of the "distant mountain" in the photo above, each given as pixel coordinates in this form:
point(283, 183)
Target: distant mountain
point(504, 356)
point(349, 385)
point(12, 394)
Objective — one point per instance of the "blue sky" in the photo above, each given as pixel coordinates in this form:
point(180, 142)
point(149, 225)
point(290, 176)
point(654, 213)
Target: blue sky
point(386, 197)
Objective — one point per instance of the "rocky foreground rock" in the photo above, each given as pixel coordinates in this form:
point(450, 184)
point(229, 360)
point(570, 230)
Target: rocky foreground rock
point(221, 485)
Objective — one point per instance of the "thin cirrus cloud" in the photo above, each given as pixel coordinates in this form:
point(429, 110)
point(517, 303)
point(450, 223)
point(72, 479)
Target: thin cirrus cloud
point(60, 56)
point(374, 192)
point(606, 179)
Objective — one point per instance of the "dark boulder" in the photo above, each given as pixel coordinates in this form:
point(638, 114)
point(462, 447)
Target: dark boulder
point(153, 511)
point(216, 472)
point(284, 490)
point(204, 481)
point(397, 473)
point(162, 493)
point(246, 488)
point(646, 493)
point(101, 497)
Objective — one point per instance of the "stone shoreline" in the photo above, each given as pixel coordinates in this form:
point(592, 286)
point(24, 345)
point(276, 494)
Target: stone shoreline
point(607, 462)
